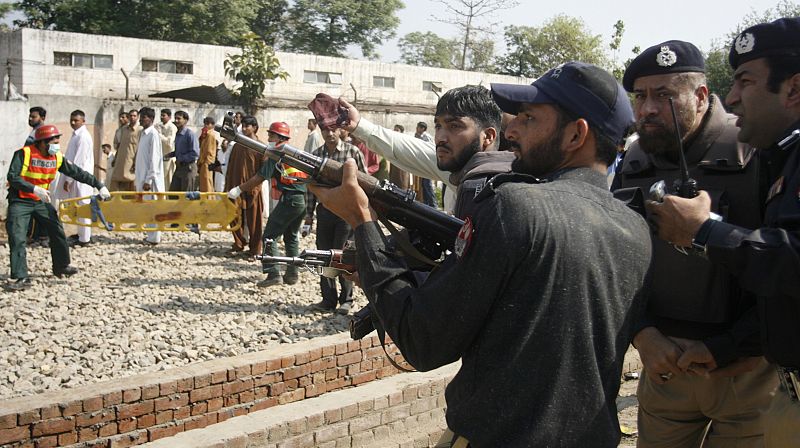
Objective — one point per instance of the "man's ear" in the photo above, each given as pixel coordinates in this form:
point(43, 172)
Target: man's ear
point(701, 94)
point(489, 138)
point(575, 134)
point(793, 91)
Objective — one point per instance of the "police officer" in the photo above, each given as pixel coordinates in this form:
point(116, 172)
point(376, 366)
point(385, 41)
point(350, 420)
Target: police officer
point(30, 173)
point(766, 98)
point(693, 301)
point(287, 216)
point(539, 297)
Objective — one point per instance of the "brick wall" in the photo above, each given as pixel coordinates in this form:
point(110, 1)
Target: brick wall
point(401, 411)
point(151, 406)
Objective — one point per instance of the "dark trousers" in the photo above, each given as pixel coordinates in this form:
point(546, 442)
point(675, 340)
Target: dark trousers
point(185, 177)
point(285, 220)
point(428, 194)
point(332, 233)
point(19, 216)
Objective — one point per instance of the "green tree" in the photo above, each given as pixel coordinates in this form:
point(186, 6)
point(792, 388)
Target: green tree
point(465, 15)
point(216, 22)
point(328, 27)
point(269, 20)
point(531, 51)
point(431, 50)
point(5, 8)
point(718, 70)
point(252, 69)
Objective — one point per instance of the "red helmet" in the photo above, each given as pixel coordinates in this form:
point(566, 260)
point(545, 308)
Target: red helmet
point(280, 128)
point(45, 132)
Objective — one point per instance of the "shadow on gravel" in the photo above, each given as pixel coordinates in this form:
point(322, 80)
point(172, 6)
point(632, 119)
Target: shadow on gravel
point(315, 328)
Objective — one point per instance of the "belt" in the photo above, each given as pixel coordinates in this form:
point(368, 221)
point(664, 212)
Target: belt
point(185, 163)
point(790, 378)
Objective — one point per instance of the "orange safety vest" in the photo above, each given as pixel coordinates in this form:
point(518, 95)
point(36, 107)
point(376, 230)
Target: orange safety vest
point(294, 173)
point(38, 169)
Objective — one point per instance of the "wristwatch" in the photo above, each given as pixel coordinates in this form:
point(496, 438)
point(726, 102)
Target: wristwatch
point(700, 239)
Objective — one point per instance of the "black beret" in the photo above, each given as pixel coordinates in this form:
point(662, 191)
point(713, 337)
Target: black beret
point(781, 37)
point(672, 56)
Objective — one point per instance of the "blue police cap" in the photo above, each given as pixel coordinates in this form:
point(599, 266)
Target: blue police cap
point(584, 90)
point(778, 38)
point(672, 56)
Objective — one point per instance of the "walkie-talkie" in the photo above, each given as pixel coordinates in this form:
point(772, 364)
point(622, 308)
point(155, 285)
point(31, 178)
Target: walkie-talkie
point(684, 186)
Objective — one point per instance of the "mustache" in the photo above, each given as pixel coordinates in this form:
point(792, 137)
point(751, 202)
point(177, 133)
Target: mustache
point(651, 121)
point(512, 145)
point(442, 145)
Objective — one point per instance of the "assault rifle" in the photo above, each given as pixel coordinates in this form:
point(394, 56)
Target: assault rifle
point(327, 263)
point(430, 232)
point(437, 230)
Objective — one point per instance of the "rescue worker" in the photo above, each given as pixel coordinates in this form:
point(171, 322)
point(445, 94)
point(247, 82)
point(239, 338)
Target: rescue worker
point(765, 97)
point(30, 173)
point(287, 217)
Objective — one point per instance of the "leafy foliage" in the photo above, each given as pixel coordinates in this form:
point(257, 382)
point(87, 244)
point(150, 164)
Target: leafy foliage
point(269, 20)
point(532, 51)
point(216, 22)
point(718, 70)
point(328, 27)
point(430, 50)
point(253, 68)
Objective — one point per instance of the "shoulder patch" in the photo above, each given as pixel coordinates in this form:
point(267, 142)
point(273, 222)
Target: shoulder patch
point(464, 238)
point(503, 178)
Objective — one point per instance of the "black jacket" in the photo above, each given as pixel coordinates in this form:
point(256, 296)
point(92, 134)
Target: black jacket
point(539, 306)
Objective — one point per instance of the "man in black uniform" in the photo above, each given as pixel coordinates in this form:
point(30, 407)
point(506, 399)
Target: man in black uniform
point(30, 173)
point(766, 98)
point(694, 301)
point(540, 296)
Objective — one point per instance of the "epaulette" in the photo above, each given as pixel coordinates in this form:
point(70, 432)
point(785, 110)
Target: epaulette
point(502, 178)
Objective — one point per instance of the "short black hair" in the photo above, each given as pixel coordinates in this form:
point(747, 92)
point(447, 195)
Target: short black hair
point(400, 126)
point(105, 145)
point(147, 112)
point(474, 102)
point(133, 110)
point(182, 114)
point(422, 125)
point(39, 110)
point(208, 120)
point(123, 114)
point(167, 111)
point(781, 68)
point(249, 120)
point(77, 113)
point(605, 149)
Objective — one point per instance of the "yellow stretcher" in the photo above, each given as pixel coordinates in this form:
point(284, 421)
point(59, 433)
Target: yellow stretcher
point(176, 211)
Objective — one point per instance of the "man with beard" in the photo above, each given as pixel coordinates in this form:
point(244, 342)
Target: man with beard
point(545, 281)
point(765, 97)
point(463, 154)
point(693, 302)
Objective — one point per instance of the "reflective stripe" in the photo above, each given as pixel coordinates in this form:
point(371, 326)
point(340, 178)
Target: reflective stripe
point(293, 173)
point(38, 170)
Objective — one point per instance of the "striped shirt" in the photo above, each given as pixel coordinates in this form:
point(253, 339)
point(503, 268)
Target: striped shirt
point(343, 152)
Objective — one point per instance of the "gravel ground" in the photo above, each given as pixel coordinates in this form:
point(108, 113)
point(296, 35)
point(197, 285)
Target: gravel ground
point(134, 308)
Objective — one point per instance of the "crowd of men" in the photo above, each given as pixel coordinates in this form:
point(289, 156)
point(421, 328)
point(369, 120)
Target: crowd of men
point(552, 277)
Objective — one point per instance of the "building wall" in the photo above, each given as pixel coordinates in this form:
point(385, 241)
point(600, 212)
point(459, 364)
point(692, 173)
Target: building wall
point(12, 136)
point(40, 76)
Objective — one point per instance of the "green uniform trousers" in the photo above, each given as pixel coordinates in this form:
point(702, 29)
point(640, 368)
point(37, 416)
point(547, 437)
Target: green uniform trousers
point(285, 220)
point(19, 216)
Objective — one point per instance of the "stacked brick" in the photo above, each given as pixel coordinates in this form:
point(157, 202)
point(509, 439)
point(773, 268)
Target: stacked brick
point(149, 407)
